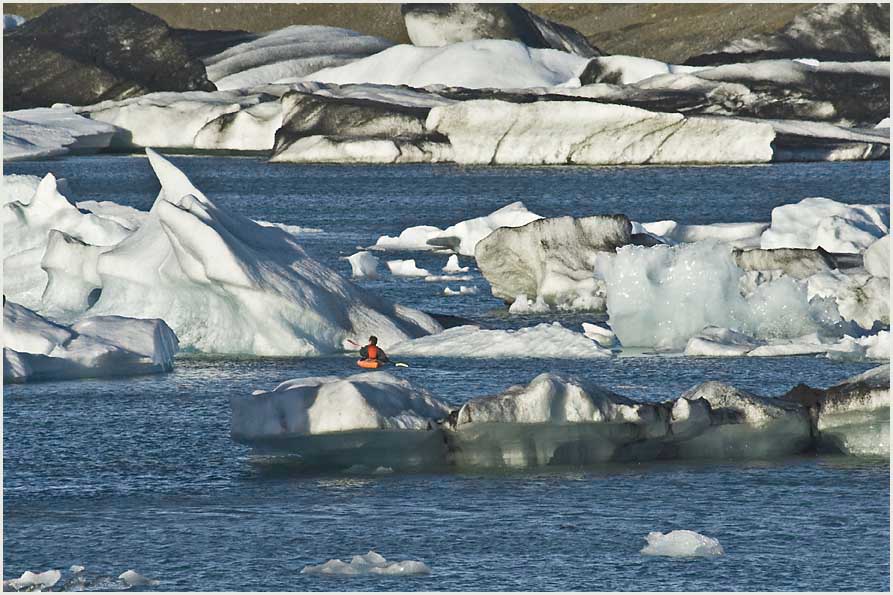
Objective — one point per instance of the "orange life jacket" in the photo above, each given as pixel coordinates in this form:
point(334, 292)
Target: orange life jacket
point(371, 352)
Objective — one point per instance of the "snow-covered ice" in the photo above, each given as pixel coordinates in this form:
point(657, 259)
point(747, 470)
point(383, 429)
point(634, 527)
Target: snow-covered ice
point(47, 132)
point(406, 268)
point(681, 544)
point(132, 578)
point(452, 265)
point(491, 63)
point(835, 226)
point(35, 348)
point(370, 563)
point(226, 284)
point(33, 581)
point(461, 237)
point(544, 340)
point(363, 264)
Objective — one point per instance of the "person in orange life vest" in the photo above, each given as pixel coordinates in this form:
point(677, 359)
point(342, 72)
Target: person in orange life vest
point(373, 352)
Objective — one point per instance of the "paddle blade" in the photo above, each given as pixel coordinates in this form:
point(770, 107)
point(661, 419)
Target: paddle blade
point(401, 365)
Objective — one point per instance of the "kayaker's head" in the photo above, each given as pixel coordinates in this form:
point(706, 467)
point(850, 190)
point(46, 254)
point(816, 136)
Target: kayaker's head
point(373, 340)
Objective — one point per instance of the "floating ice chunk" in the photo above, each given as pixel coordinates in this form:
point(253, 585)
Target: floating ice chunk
point(681, 544)
point(77, 569)
point(226, 284)
point(132, 578)
point(448, 278)
point(462, 237)
point(522, 305)
point(31, 581)
point(492, 63)
point(295, 230)
point(602, 335)
point(371, 563)
point(46, 132)
point(835, 226)
point(363, 264)
point(406, 268)
point(452, 265)
point(662, 296)
point(36, 348)
point(463, 290)
point(552, 259)
point(877, 258)
point(544, 340)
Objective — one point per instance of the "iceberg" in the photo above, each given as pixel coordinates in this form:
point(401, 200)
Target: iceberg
point(132, 578)
point(11, 21)
point(461, 238)
point(363, 264)
point(49, 132)
point(288, 53)
point(575, 132)
point(822, 222)
point(877, 258)
point(406, 268)
point(544, 340)
point(552, 259)
point(33, 581)
point(602, 335)
point(463, 290)
point(452, 265)
point(662, 296)
point(226, 284)
point(372, 418)
point(35, 348)
point(681, 544)
point(738, 235)
point(35, 225)
point(858, 296)
point(477, 64)
point(370, 563)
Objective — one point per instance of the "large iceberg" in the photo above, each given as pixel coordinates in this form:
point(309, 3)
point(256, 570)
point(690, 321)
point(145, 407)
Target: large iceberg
point(227, 284)
point(35, 348)
point(492, 63)
point(372, 418)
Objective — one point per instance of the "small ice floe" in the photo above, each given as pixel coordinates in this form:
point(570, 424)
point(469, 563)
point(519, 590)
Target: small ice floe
point(447, 278)
point(371, 563)
point(522, 305)
point(363, 264)
point(602, 335)
point(132, 578)
point(463, 290)
point(452, 265)
point(406, 268)
point(33, 581)
point(681, 544)
point(76, 569)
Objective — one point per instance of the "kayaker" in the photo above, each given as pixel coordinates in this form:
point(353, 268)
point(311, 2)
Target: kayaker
point(372, 352)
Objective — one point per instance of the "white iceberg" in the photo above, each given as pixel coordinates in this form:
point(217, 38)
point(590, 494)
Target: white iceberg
point(33, 581)
point(490, 63)
point(372, 418)
point(132, 578)
point(226, 284)
point(406, 268)
point(462, 237)
point(835, 226)
point(371, 563)
point(363, 264)
point(35, 348)
point(681, 544)
point(574, 132)
point(452, 265)
point(288, 53)
point(739, 235)
point(48, 132)
point(541, 341)
point(601, 334)
point(463, 290)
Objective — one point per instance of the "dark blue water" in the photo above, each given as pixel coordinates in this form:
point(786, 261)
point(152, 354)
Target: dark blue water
point(141, 473)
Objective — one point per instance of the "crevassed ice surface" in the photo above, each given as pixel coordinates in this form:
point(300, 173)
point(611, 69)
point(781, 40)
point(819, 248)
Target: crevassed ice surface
point(142, 474)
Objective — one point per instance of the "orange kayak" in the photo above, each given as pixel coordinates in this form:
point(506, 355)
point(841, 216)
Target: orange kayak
point(369, 363)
